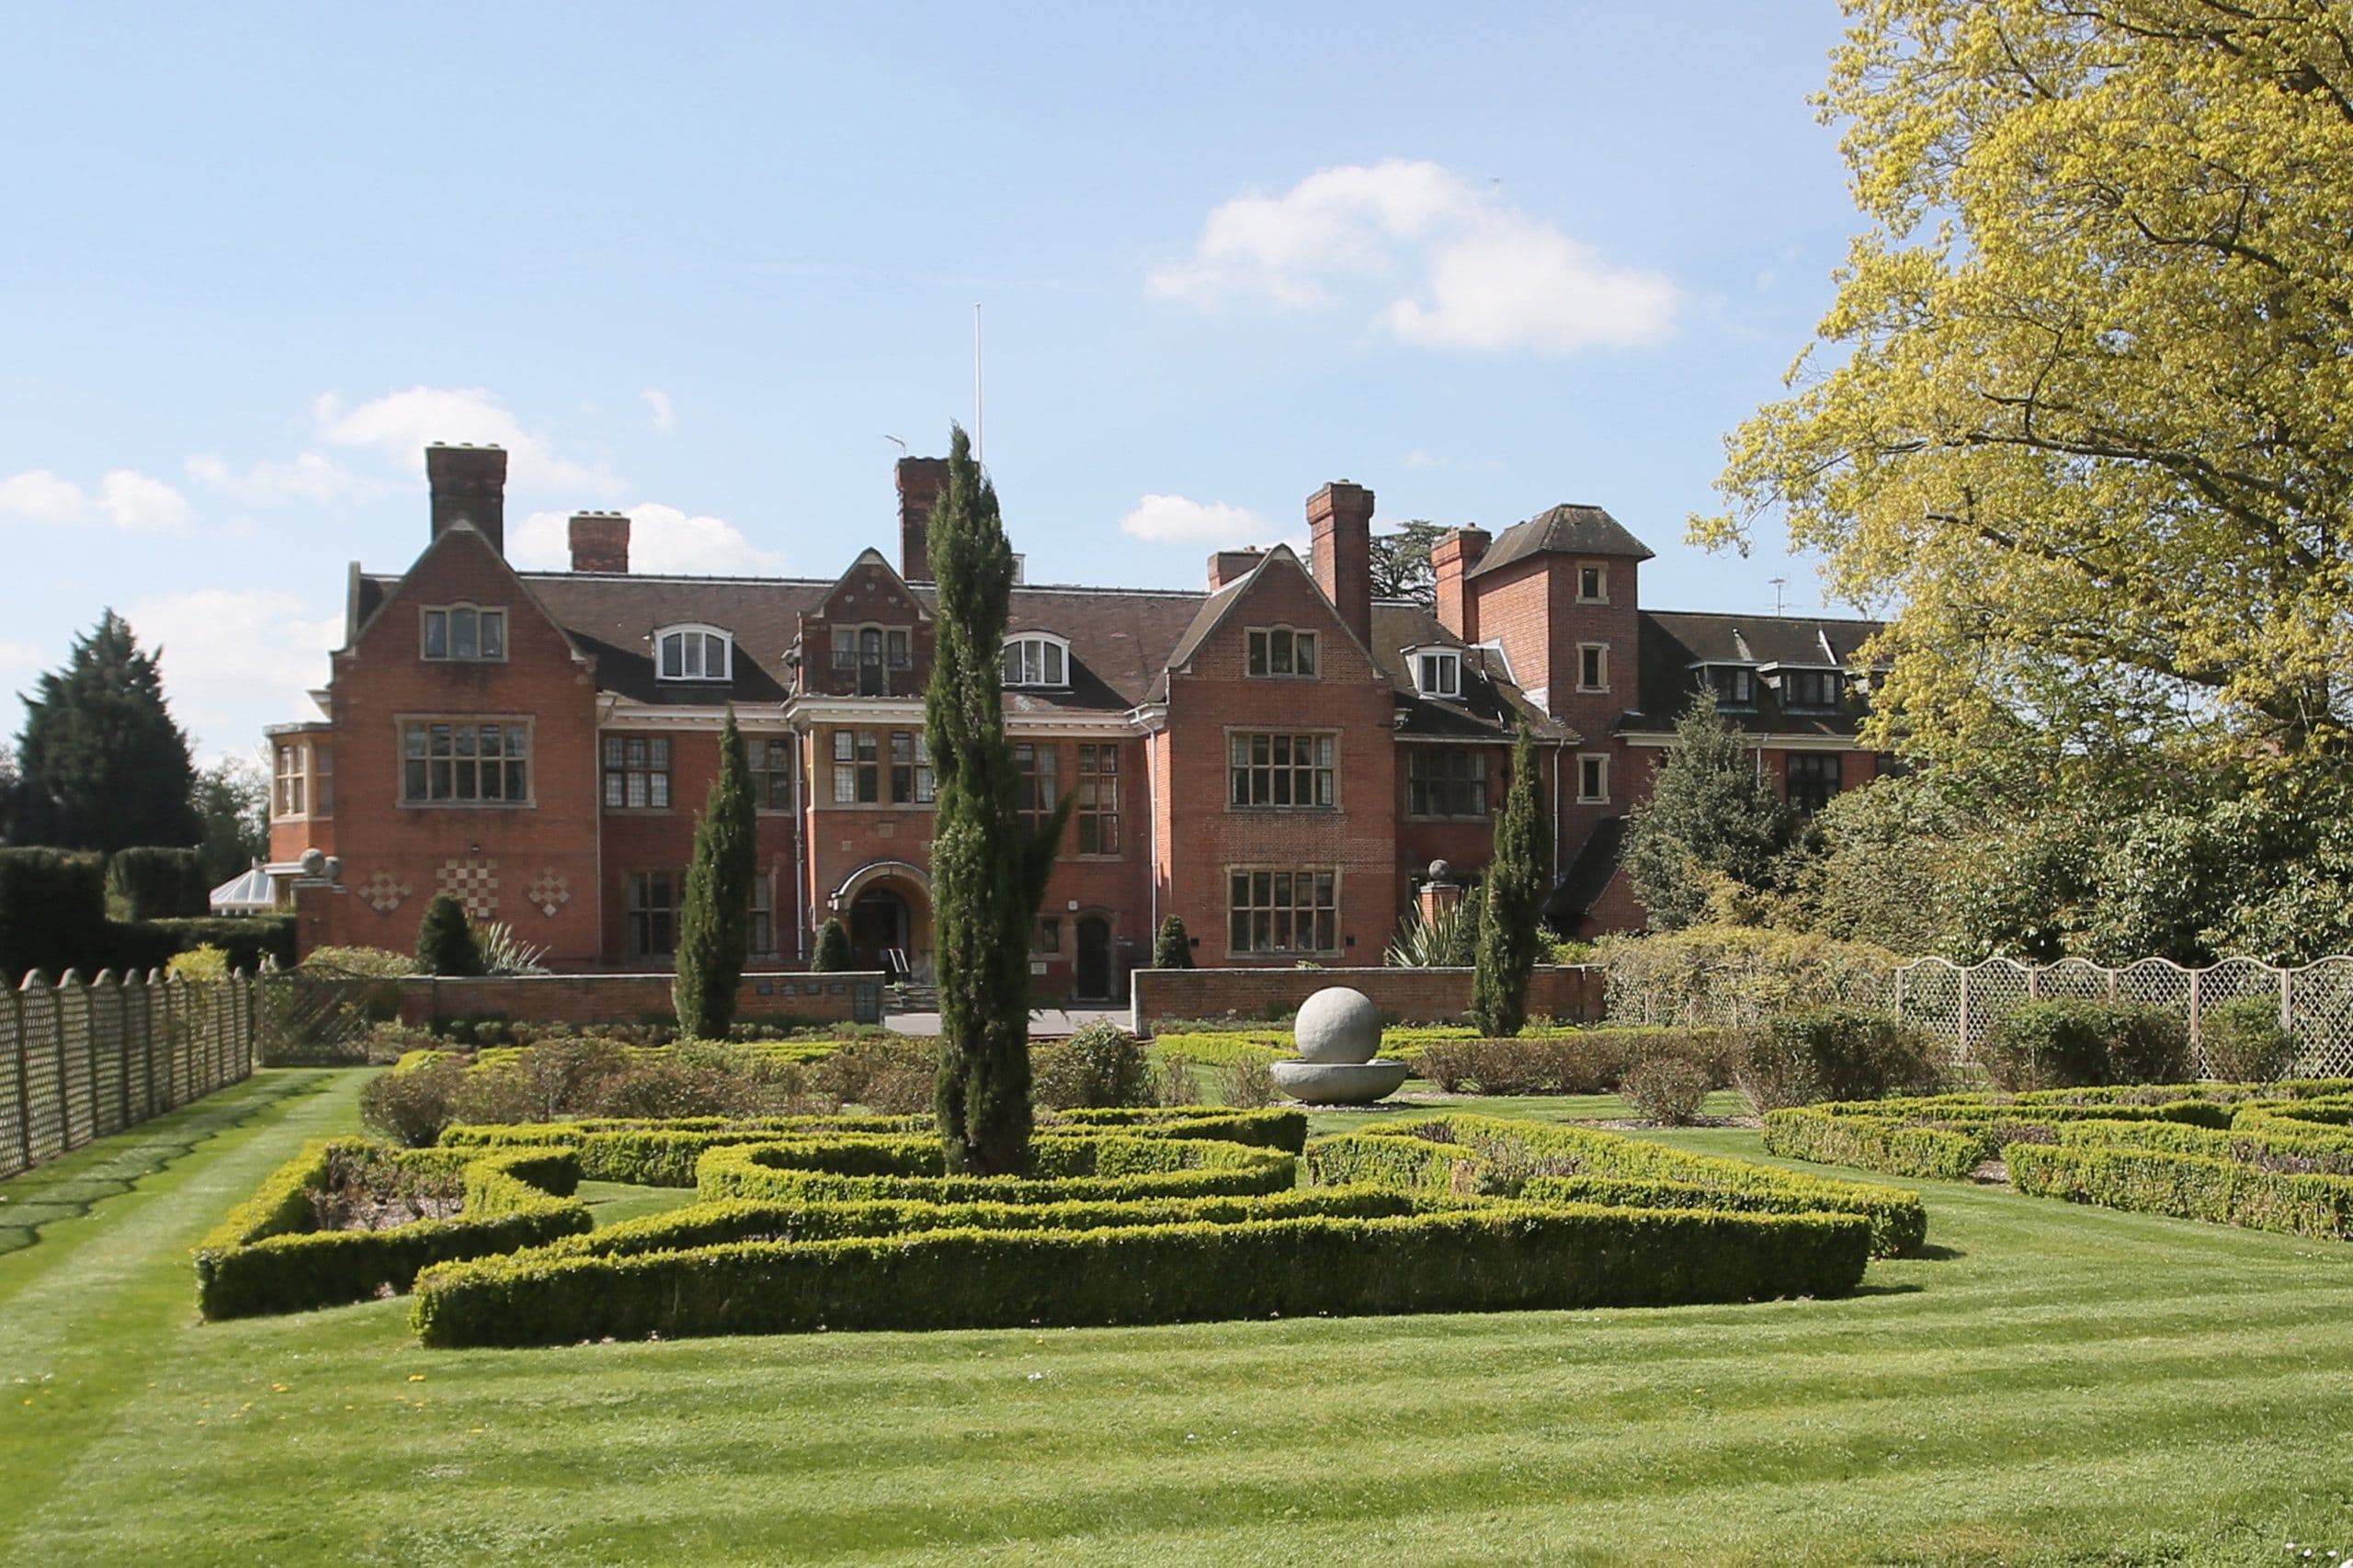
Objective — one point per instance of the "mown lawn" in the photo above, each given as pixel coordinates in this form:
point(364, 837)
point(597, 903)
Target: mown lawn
point(2053, 1384)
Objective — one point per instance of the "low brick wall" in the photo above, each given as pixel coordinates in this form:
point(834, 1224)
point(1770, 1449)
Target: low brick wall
point(842, 995)
point(1403, 995)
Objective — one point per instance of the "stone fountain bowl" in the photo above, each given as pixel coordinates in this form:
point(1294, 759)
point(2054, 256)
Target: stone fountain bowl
point(1340, 1083)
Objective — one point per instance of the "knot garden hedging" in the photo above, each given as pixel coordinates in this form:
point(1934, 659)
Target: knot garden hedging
point(1127, 1217)
point(2272, 1157)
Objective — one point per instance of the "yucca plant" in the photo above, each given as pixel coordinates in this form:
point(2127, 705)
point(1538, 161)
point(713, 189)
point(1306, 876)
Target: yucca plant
point(503, 952)
point(1448, 941)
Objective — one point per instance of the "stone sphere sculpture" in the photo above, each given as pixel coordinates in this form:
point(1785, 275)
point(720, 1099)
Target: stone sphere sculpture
point(1338, 1033)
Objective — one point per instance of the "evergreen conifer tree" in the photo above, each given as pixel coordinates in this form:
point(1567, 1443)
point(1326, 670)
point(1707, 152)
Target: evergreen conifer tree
point(104, 766)
point(445, 941)
point(832, 949)
point(1711, 822)
point(1512, 905)
point(1174, 950)
point(988, 874)
point(715, 926)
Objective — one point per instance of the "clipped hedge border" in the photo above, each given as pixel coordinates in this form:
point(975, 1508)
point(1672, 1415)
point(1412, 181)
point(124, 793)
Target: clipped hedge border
point(2281, 1144)
point(1469, 1153)
point(1872, 1143)
point(1272, 1129)
point(2185, 1187)
point(1106, 1166)
point(1485, 1258)
point(258, 1260)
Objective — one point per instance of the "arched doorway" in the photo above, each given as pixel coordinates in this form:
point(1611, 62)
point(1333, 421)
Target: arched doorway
point(1093, 982)
point(877, 929)
point(885, 907)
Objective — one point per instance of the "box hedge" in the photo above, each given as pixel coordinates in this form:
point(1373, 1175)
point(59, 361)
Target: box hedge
point(844, 1166)
point(1948, 1137)
point(53, 913)
point(1485, 1258)
point(1586, 1061)
point(2185, 1187)
point(153, 882)
point(1493, 1155)
point(262, 1259)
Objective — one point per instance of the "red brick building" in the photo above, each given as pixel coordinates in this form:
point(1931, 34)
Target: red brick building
point(1277, 757)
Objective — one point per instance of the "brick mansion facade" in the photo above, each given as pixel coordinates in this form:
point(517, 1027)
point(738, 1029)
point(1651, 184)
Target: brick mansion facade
point(1277, 757)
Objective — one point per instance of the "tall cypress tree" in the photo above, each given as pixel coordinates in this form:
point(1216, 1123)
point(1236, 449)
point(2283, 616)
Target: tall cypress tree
point(987, 874)
point(715, 926)
point(1518, 879)
point(104, 765)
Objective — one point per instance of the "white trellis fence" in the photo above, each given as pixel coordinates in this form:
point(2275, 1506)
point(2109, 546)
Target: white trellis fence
point(1963, 1004)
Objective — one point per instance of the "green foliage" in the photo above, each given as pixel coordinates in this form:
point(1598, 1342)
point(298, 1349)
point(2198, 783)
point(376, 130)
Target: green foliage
point(503, 952)
point(411, 1103)
point(987, 874)
point(1665, 1091)
point(1448, 940)
point(1710, 821)
point(197, 965)
point(1873, 1143)
point(445, 939)
point(104, 765)
point(1490, 1258)
point(1585, 1062)
point(1249, 1082)
point(2187, 1187)
point(1835, 1053)
point(2242, 1041)
point(1884, 864)
point(1735, 976)
point(1101, 1064)
point(715, 926)
point(1402, 567)
point(233, 808)
point(1172, 948)
point(154, 882)
point(832, 954)
point(253, 942)
point(375, 963)
point(1512, 897)
point(821, 1168)
point(53, 912)
point(2068, 1044)
point(265, 1258)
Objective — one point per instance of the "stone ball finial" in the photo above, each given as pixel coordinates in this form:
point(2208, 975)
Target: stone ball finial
point(314, 863)
point(1339, 1024)
point(1441, 871)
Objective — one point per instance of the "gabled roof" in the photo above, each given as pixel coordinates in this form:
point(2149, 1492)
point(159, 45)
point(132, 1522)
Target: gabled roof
point(1489, 705)
point(1566, 529)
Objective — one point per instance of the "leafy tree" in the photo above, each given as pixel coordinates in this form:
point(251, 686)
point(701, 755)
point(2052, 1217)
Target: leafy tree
point(988, 875)
point(1712, 823)
point(1401, 562)
point(104, 765)
point(232, 806)
point(1886, 857)
point(1517, 881)
point(832, 949)
point(715, 926)
point(1173, 949)
point(2081, 407)
point(445, 941)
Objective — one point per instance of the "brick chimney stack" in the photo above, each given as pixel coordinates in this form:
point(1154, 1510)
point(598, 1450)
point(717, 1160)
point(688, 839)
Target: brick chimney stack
point(1453, 557)
point(1339, 519)
point(1230, 565)
point(921, 483)
point(600, 542)
point(469, 482)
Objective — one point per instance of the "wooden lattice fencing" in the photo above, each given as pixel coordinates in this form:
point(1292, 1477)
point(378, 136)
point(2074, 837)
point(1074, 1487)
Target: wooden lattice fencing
point(80, 1060)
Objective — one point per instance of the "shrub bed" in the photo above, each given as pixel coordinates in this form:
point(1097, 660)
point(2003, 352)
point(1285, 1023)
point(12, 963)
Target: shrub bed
point(1487, 1257)
point(1588, 1061)
point(269, 1256)
point(825, 1169)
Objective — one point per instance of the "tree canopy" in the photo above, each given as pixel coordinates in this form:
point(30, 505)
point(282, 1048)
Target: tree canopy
point(1711, 827)
point(103, 764)
point(1401, 562)
point(2083, 407)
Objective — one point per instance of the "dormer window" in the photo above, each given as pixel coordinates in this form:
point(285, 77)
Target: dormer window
point(465, 632)
point(1438, 672)
point(1037, 659)
point(1281, 651)
point(1734, 685)
point(694, 653)
point(1814, 690)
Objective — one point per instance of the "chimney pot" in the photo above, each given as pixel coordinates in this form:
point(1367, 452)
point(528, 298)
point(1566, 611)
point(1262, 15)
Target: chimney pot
point(1451, 559)
point(599, 541)
point(920, 481)
point(468, 485)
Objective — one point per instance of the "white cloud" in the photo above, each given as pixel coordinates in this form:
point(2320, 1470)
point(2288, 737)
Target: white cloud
point(661, 540)
point(309, 477)
point(236, 659)
point(1481, 275)
point(665, 418)
point(41, 497)
point(402, 423)
point(1180, 520)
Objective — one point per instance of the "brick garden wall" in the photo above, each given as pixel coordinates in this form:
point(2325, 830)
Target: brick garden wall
point(625, 998)
point(1405, 996)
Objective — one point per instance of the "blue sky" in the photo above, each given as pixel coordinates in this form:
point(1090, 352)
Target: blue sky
point(699, 261)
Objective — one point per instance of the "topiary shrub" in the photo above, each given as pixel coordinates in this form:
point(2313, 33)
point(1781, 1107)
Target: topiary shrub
point(1833, 1054)
point(2074, 1044)
point(1665, 1091)
point(2147, 1045)
point(445, 941)
point(411, 1106)
point(832, 949)
point(53, 913)
point(1102, 1064)
point(2242, 1041)
point(153, 882)
point(1172, 948)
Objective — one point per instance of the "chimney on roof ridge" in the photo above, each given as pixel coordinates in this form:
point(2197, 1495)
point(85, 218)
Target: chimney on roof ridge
point(1339, 518)
point(1452, 559)
point(468, 485)
point(600, 542)
point(1230, 565)
point(921, 480)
